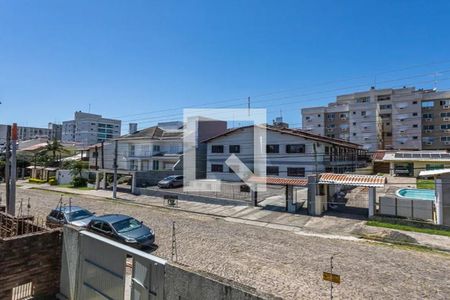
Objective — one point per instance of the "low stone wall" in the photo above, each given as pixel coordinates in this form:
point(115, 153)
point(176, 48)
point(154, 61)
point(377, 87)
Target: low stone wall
point(35, 258)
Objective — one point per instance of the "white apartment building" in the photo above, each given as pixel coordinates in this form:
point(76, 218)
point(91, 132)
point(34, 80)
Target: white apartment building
point(25, 133)
point(88, 129)
point(405, 118)
point(289, 153)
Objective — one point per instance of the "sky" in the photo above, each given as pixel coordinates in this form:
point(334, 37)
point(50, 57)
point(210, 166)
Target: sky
point(144, 61)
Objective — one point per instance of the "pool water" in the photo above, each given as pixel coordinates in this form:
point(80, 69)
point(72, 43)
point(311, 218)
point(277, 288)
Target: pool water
point(419, 194)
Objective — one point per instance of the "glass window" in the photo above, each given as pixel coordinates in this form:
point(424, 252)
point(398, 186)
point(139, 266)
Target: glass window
point(78, 215)
point(217, 149)
point(299, 172)
point(272, 170)
point(235, 148)
point(295, 148)
point(216, 168)
point(126, 225)
point(272, 148)
point(427, 104)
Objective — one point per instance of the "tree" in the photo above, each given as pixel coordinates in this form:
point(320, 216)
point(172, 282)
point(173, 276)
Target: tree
point(54, 147)
point(76, 167)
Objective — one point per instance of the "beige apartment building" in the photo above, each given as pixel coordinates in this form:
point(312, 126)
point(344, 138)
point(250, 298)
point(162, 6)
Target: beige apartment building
point(404, 119)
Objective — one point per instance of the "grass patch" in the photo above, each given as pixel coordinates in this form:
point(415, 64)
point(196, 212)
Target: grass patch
point(404, 227)
point(70, 186)
point(425, 184)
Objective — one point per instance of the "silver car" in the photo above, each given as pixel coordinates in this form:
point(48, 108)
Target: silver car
point(73, 215)
point(171, 181)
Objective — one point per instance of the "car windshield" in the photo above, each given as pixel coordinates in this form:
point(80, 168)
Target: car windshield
point(78, 215)
point(126, 225)
point(170, 177)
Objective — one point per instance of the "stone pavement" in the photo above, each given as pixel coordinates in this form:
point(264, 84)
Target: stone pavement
point(327, 226)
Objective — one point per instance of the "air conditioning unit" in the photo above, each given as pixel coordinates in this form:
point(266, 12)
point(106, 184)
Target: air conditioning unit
point(429, 143)
point(428, 120)
point(343, 118)
point(446, 143)
point(446, 106)
point(446, 119)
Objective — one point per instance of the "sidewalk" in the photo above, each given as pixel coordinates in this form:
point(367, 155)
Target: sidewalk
point(331, 227)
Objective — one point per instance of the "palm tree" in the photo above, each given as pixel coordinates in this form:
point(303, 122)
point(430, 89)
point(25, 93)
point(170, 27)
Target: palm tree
point(54, 147)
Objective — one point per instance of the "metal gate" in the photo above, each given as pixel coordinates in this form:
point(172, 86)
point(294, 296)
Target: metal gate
point(101, 270)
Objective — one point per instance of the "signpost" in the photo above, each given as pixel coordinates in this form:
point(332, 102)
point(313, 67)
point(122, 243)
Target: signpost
point(332, 278)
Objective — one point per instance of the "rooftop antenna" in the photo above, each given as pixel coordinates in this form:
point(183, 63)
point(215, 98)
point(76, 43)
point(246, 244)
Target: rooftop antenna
point(89, 108)
point(248, 105)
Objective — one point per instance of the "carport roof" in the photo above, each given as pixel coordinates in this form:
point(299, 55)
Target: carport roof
point(352, 179)
point(278, 181)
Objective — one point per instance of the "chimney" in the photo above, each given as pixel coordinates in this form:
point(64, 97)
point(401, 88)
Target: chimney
point(132, 128)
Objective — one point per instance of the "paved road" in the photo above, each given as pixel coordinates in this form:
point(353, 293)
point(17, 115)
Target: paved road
point(280, 262)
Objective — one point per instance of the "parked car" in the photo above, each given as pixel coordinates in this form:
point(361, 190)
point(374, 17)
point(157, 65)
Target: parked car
point(73, 215)
point(171, 181)
point(124, 229)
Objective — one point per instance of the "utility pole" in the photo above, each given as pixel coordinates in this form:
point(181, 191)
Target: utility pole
point(115, 170)
point(12, 200)
point(331, 282)
point(7, 164)
point(174, 244)
point(103, 154)
point(96, 158)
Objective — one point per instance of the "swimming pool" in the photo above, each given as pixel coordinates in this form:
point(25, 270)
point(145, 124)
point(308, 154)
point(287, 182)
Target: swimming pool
point(419, 194)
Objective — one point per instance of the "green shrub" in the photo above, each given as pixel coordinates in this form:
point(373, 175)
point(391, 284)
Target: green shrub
point(36, 180)
point(52, 180)
point(79, 182)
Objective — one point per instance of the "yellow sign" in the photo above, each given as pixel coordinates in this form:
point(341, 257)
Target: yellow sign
point(332, 277)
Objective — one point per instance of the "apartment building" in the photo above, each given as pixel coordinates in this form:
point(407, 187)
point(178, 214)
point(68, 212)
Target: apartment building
point(289, 153)
point(88, 129)
point(405, 118)
point(26, 133)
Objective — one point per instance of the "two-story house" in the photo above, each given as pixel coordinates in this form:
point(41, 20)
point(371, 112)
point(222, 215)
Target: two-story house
point(289, 153)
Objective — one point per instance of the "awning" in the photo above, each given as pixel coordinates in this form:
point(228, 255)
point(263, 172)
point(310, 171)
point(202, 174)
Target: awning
point(352, 179)
point(51, 169)
point(37, 167)
point(434, 172)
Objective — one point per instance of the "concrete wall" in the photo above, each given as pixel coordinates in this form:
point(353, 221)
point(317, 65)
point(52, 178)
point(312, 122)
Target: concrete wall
point(408, 208)
point(32, 258)
point(183, 283)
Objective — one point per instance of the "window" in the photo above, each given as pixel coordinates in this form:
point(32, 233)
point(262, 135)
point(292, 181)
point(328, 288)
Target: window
point(318, 125)
point(444, 102)
point(388, 133)
point(354, 134)
point(445, 126)
point(415, 126)
point(295, 148)
point(434, 167)
point(427, 116)
point(235, 148)
point(156, 148)
point(362, 99)
point(427, 104)
point(363, 113)
point(217, 148)
point(216, 168)
point(445, 138)
point(330, 116)
point(272, 170)
point(272, 148)
point(299, 172)
point(385, 116)
point(428, 127)
point(414, 102)
point(414, 114)
point(156, 165)
point(445, 115)
point(384, 98)
point(386, 106)
point(318, 115)
point(307, 118)
point(354, 123)
point(388, 124)
point(415, 137)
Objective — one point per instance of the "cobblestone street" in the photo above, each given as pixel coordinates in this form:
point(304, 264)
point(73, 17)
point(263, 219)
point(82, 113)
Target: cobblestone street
point(282, 263)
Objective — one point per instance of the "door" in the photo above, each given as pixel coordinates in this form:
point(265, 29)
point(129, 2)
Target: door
point(147, 280)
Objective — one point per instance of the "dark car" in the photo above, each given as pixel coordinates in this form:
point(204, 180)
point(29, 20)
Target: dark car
point(171, 181)
point(74, 215)
point(124, 229)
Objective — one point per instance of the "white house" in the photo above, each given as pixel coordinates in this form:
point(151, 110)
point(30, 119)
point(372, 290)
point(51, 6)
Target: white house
point(289, 153)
